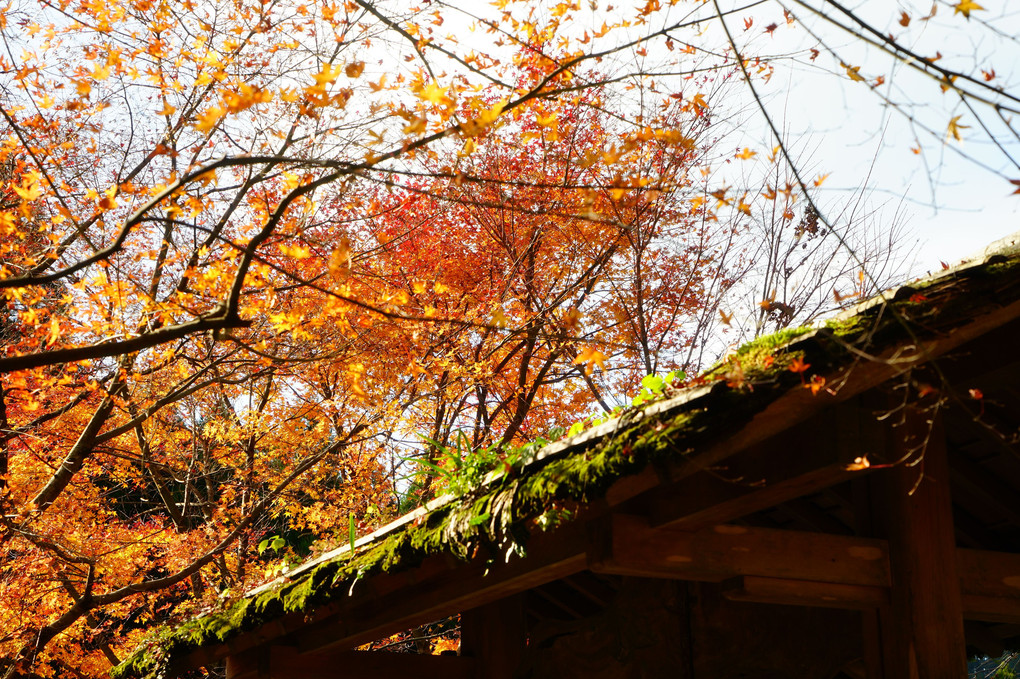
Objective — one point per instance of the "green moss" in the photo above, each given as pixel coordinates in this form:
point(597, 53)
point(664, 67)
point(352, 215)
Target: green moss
point(769, 343)
point(848, 328)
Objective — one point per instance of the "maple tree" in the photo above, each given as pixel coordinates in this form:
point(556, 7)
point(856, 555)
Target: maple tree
point(252, 251)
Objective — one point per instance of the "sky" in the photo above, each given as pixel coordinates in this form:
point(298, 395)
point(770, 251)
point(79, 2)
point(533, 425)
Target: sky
point(951, 206)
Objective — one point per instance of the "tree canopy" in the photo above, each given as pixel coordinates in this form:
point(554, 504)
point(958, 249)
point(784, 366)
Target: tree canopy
point(257, 257)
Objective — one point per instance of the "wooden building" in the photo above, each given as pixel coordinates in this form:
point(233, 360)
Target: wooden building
point(835, 502)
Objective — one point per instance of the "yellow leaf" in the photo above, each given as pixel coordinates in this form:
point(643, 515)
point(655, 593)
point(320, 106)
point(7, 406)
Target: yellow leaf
point(591, 357)
point(546, 121)
point(572, 320)
point(209, 119)
point(54, 331)
point(340, 261)
point(955, 127)
point(853, 72)
point(326, 76)
point(746, 154)
point(415, 126)
point(499, 318)
point(821, 178)
point(108, 201)
point(965, 7)
point(295, 251)
point(744, 207)
point(434, 94)
point(29, 189)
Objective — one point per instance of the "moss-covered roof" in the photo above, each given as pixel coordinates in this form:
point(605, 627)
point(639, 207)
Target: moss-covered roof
point(912, 323)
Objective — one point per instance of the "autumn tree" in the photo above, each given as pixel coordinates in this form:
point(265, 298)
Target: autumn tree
point(249, 251)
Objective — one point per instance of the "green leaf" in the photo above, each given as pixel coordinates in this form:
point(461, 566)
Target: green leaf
point(652, 382)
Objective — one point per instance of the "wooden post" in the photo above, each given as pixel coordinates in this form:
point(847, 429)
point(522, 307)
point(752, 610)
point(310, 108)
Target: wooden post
point(495, 635)
point(922, 631)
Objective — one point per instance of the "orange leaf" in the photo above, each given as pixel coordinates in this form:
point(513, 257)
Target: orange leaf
point(797, 365)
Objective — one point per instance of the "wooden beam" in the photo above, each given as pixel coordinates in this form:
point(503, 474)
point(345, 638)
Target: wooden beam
point(285, 662)
point(846, 572)
point(924, 635)
point(714, 554)
point(757, 589)
point(495, 636)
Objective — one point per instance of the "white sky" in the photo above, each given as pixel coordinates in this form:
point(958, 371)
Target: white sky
point(957, 207)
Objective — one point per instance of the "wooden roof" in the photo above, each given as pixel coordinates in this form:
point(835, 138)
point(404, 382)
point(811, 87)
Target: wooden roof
point(751, 479)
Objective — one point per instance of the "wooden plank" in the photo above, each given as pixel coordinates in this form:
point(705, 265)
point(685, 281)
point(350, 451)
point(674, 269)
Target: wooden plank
point(720, 552)
point(495, 636)
point(628, 545)
point(924, 635)
point(988, 573)
point(757, 589)
point(285, 662)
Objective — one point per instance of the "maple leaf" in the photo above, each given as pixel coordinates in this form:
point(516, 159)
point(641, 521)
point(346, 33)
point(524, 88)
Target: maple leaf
point(209, 118)
point(354, 69)
point(955, 127)
point(904, 19)
point(816, 384)
point(29, 189)
point(744, 207)
point(340, 260)
point(591, 357)
point(965, 7)
point(572, 320)
point(853, 72)
point(54, 333)
point(326, 76)
point(797, 365)
point(415, 126)
point(499, 318)
point(434, 94)
point(746, 154)
point(546, 121)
